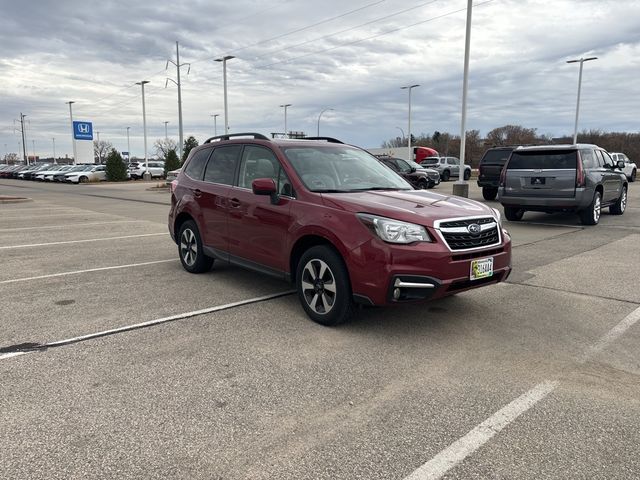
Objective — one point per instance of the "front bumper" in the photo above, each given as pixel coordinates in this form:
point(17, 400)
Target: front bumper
point(423, 271)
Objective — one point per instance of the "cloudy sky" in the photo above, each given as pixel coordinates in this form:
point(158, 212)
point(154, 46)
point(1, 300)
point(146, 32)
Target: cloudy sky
point(352, 57)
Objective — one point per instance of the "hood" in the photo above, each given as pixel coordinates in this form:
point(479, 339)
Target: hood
point(415, 206)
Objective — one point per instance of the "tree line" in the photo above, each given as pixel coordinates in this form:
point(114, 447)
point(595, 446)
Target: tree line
point(449, 145)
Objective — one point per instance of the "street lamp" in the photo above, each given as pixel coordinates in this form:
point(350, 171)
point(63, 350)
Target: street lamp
point(215, 123)
point(409, 87)
point(166, 137)
point(6, 154)
point(461, 187)
point(54, 150)
point(318, 134)
point(73, 137)
point(144, 128)
point(581, 60)
point(285, 117)
point(224, 81)
point(128, 147)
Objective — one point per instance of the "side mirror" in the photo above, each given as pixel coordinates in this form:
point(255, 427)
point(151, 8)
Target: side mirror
point(620, 164)
point(412, 170)
point(263, 186)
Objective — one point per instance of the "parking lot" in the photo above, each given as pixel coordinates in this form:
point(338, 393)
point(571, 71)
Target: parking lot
point(116, 363)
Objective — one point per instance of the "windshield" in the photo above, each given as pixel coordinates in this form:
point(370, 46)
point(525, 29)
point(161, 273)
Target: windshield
point(342, 169)
point(496, 156)
point(430, 161)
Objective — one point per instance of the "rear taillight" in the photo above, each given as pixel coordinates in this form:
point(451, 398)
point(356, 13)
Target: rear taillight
point(174, 185)
point(580, 178)
point(503, 176)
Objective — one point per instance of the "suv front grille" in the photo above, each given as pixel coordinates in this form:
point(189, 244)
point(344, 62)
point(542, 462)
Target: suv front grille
point(458, 237)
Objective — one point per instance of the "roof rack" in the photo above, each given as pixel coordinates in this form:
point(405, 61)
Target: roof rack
point(328, 139)
point(257, 136)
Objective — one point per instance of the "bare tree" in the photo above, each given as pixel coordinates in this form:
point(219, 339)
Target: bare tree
point(100, 150)
point(163, 146)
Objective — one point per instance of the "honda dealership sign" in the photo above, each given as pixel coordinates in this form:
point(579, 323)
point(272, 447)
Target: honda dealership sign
point(83, 130)
point(83, 136)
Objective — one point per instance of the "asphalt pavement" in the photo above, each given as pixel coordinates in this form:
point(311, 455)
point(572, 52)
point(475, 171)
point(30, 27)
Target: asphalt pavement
point(116, 363)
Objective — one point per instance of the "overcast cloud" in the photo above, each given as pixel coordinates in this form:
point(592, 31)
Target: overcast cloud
point(349, 56)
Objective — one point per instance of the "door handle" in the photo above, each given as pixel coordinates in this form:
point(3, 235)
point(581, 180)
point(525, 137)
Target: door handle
point(197, 193)
point(235, 203)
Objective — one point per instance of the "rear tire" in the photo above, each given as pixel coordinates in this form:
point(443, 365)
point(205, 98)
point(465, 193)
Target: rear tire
point(323, 285)
point(467, 174)
point(513, 214)
point(446, 175)
point(190, 249)
point(489, 193)
point(591, 214)
point(633, 176)
point(620, 206)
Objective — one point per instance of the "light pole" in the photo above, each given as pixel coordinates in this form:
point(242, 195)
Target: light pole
point(286, 105)
point(581, 60)
point(402, 134)
point(54, 150)
point(33, 142)
point(215, 123)
point(318, 133)
point(128, 147)
point(409, 87)
point(179, 85)
point(6, 154)
point(461, 187)
point(166, 137)
point(73, 137)
point(98, 134)
point(146, 174)
point(224, 82)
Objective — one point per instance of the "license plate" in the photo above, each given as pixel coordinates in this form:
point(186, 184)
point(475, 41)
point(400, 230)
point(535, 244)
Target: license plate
point(538, 180)
point(481, 268)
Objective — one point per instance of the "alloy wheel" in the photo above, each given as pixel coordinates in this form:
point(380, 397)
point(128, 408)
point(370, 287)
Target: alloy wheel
point(188, 247)
point(596, 209)
point(318, 286)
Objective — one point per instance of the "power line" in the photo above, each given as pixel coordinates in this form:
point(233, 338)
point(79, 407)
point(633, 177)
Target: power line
point(371, 36)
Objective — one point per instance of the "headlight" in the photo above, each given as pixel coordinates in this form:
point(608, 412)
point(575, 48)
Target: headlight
point(498, 216)
point(395, 231)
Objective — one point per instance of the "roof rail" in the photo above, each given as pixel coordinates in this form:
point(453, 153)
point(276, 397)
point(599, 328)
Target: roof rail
point(328, 139)
point(257, 136)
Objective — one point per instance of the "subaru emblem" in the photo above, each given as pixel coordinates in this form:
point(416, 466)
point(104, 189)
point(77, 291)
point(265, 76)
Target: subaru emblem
point(474, 229)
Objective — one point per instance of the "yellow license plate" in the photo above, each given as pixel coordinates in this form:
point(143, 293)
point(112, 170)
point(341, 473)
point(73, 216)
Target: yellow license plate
point(481, 268)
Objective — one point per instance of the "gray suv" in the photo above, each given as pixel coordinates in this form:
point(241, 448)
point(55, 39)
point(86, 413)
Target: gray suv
point(562, 178)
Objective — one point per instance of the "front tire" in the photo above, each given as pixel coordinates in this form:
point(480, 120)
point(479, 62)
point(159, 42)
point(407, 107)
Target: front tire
point(323, 285)
point(446, 175)
point(591, 214)
point(190, 249)
point(620, 206)
point(633, 176)
point(513, 214)
point(489, 193)
point(83, 180)
point(422, 184)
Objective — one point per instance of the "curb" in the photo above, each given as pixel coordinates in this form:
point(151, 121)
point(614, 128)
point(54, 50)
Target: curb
point(4, 199)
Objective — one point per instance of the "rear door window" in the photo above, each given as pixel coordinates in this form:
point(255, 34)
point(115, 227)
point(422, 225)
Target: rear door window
point(222, 165)
point(547, 160)
point(195, 167)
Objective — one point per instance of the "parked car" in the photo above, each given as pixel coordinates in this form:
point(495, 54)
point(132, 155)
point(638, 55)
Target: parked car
point(137, 169)
point(172, 175)
point(96, 173)
point(415, 174)
point(629, 166)
point(62, 175)
point(48, 173)
point(489, 170)
point(570, 178)
point(30, 174)
point(333, 220)
point(447, 167)
point(8, 172)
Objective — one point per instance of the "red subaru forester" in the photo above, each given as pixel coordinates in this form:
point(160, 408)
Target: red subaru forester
point(344, 228)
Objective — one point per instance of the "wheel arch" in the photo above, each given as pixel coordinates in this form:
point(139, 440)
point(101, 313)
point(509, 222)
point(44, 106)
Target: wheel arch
point(303, 244)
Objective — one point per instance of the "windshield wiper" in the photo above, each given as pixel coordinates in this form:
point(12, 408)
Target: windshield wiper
point(330, 190)
point(380, 189)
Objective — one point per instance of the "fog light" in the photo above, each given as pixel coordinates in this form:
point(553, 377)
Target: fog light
point(396, 294)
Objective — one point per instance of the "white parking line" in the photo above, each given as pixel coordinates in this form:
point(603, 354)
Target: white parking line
point(472, 441)
point(455, 453)
point(149, 323)
point(21, 217)
point(82, 241)
point(77, 272)
point(70, 225)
